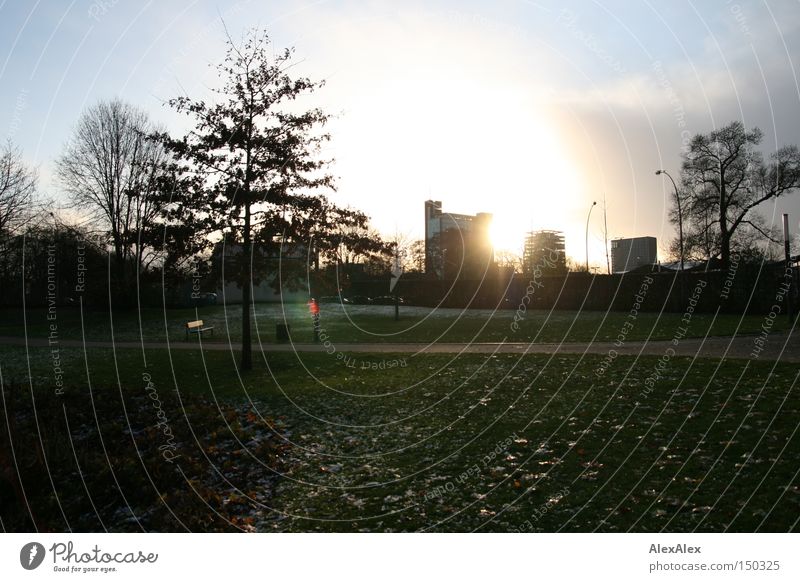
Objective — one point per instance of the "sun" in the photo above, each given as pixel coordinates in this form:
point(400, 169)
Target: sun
point(506, 234)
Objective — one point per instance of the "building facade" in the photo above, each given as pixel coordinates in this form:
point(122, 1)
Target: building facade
point(631, 253)
point(544, 252)
point(457, 245)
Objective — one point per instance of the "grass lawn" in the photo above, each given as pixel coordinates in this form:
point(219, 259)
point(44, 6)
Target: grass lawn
point(356, 323)
point(488, 443)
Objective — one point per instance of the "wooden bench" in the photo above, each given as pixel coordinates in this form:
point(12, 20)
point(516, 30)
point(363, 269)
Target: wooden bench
point(198, 328)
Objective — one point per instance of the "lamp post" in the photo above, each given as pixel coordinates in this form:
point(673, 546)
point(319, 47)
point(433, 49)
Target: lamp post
point(587, 234)
point(680, 214)
point(788, 254)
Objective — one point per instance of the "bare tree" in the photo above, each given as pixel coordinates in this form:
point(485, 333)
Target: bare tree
point(509, 260)
point(409, 251)
point(416, 256)
point(17, 189)
point(110, 168)
point(354, 244)
point(725, 177)
point(574, 265)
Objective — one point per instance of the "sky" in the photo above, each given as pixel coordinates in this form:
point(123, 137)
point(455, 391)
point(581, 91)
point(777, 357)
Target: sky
point(528, 110)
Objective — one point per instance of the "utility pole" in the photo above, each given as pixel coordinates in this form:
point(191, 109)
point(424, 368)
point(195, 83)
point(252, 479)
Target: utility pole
point(605, 234)
point(588, 216)
point(396, 298)
point(397, 270)
point(681, 274)
point(788, 256)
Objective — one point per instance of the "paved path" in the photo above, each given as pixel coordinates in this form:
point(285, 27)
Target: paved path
point(778, 346)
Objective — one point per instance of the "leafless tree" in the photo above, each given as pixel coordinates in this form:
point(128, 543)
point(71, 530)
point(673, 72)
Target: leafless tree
point(409, 251)
point(509, 260)
point(110, 168)
point(17, 189)
point(724, 178)
point(416, 256)
point(574, 265)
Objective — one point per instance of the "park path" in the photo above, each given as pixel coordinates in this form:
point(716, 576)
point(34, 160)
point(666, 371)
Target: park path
point(783, 346)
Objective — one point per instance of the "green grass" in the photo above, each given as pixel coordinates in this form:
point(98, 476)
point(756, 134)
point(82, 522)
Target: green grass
point(375, 324)
point(494, 443)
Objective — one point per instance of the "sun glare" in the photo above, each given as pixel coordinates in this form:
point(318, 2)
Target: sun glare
point(476, 147)
point(506, 234)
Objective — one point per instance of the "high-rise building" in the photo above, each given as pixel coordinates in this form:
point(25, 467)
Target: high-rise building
point(631, 253)
point(457, 245)
point(544, 253)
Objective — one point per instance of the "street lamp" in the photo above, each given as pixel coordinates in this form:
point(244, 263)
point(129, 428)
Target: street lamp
point(680, 214)
point(587, 234)
point(788, 254)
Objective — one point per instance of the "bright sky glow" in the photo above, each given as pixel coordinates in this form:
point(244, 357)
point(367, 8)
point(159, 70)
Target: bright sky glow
point(527, 110)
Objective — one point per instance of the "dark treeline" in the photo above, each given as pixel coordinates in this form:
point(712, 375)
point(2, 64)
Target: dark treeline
point(242, 196)
point(233, 198)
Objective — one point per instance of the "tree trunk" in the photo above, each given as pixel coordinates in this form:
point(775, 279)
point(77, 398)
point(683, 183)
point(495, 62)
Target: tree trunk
point(247, 356)
point(120, 287)
point(724, 238)
point(724, 234)
point(725, 250)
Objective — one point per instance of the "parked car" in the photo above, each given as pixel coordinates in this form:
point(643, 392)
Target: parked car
point(360, 300)
point(334, 299)
point(387, 300)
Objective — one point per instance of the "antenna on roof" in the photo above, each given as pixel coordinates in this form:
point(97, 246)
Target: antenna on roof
point(605, 233)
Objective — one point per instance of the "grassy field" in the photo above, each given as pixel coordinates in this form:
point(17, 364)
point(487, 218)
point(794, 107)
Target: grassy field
point(356, 323)
point(488, 443)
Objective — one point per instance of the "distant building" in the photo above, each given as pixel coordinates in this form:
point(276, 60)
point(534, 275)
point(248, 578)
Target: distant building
point(456, 245)
point(267, 263)
point(544, 250)
point(631, 253)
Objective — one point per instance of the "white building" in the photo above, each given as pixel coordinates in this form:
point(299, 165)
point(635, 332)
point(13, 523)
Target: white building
point(456, 244)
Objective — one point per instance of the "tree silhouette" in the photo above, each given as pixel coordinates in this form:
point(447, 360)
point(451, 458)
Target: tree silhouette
point(246, 171)
point(112, 170)
point(17, 189)
point(724, 177)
